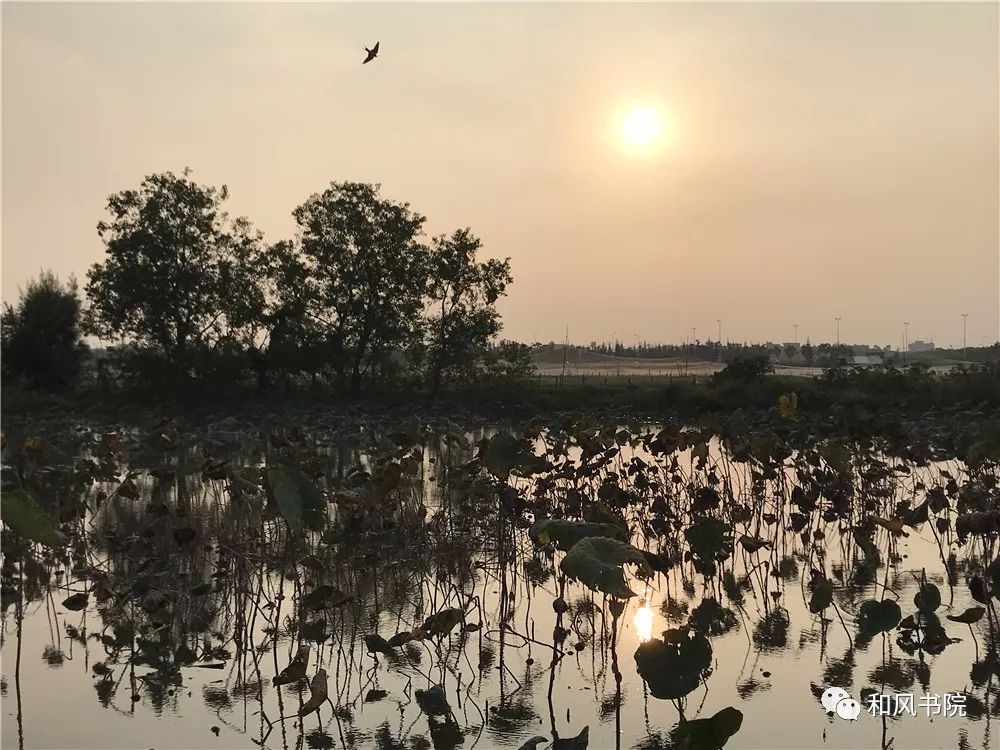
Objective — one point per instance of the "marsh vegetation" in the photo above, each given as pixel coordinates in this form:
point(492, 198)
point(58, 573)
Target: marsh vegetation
point(387, 581)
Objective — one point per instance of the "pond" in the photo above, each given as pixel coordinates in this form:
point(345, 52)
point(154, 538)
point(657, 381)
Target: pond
point(564, 585)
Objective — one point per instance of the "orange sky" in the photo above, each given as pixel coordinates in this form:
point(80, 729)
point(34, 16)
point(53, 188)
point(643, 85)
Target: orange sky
point(827, 160)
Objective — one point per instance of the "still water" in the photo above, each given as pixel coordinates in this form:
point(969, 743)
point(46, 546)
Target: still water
point(198, 597)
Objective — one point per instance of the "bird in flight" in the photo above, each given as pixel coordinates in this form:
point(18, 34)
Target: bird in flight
point(372, 53)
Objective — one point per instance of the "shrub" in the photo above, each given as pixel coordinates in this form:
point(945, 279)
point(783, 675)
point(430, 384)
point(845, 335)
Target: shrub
point(41, 340)
point(745, 369)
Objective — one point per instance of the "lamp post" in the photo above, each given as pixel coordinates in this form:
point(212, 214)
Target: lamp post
point(965, 354)
point(796, 327)
point(906, 339)
point(719, 321)
point(838, 331)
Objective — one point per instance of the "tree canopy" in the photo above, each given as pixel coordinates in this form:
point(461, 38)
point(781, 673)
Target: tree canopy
point(368, 271)
point(357, 294)
point(41, 340)
point(463, 317)
point(178, 275)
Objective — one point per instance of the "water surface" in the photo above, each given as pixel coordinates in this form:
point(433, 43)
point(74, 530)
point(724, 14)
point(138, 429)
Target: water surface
point(198, 595)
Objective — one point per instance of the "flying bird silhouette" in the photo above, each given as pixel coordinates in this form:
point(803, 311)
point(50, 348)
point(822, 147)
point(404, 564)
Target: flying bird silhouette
point(372, 53)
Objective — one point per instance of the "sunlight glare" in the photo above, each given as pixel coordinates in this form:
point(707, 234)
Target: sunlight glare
point(644, 622)
point(643, 129)
point(641, 126)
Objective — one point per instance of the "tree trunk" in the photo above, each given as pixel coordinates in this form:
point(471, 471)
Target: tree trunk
point(258, 363)
point(359, 356)
point(356, 377)
point(436, 378)
point(438, 364)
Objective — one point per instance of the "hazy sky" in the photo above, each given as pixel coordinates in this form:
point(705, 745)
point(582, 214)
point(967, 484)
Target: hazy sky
point(823, 160)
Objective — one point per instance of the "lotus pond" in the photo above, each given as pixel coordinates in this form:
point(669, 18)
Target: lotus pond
point(555, 584)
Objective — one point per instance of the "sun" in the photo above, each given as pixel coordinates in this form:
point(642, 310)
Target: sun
point(641, 126)
point(641, 129)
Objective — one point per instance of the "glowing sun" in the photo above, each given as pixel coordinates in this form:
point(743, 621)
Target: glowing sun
point(641, 129)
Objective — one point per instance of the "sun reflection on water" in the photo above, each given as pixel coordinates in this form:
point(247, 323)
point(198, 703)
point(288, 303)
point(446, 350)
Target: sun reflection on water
point(644, 621)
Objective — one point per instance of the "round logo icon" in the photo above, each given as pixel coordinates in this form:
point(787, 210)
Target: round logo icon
point(848, 708)
point(831, 697)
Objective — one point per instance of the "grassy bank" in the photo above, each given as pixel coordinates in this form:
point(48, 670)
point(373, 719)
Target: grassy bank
point(912, 390)
point(887, 391)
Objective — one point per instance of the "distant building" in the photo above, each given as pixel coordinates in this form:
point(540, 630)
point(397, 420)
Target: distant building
point(921, 346)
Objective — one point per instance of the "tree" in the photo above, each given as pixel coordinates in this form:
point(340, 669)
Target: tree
point(179, 274)
point(282, 337)
point(807, 352)
point(40, 338)
point(369, 274)
point(463, 293)
point(509, 361)
point(745, 369)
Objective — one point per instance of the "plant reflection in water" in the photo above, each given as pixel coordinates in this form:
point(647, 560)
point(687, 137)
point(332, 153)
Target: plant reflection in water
point(473, 587)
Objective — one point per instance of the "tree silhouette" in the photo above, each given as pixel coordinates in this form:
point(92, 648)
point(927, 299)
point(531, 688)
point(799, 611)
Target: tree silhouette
point(179, 275)
point(463, 319)
point(280, 335)
point(368, 272)
point(41, 336)
point(184, 284)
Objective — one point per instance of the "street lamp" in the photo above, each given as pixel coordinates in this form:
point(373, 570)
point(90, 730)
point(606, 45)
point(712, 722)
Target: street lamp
point(906, 338)
point(838, 331)
point(965, 354)
point(719, 321)
point(796, 327)
point(614, 353)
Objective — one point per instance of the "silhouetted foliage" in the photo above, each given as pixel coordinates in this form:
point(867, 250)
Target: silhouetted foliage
point(280, 336)
point(41, 336)
point(368, 275)
point(463, 319)
point(179, 276)
point(508, 362)
point(808, 353)
point(745, 369)
point(184, 286)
